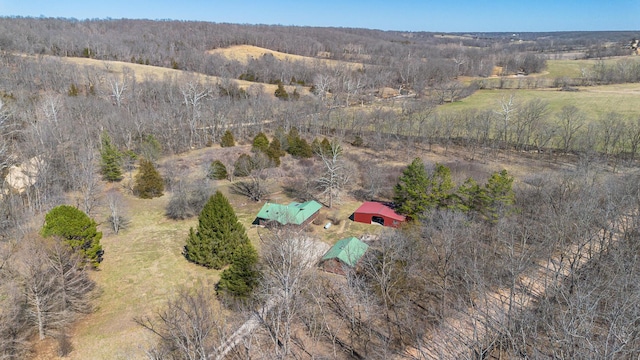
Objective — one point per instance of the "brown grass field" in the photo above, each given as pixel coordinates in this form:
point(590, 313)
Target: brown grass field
point(245, 53)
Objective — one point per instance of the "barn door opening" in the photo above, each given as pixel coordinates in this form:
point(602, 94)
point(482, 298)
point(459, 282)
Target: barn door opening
point(377, 220)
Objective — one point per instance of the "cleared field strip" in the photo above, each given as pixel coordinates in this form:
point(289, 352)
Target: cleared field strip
point(245, 53)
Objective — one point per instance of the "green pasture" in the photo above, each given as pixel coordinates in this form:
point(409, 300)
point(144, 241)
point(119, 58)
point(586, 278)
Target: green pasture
point(567, 68)
point(574, 68)
point(593, 101)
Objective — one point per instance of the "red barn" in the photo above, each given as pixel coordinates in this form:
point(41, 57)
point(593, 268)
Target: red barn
point(373, 212)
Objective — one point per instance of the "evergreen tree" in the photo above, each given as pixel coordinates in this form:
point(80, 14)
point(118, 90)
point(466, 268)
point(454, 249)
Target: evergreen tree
point(227, 139)
point(150, 148)
point(470, 197)
point(499, 194)
point(282, 136)
point(239, 280)
point(217, 171)
point(111, 159)
point(298, 146)
point(281, 92)
point(315, 146)
point(260, 143)
point(357, 141)
point(219, 236)
point(149, 183)
point(325, 146)
point(295, 95)
point(441, 186)
point(321, 147)
point(418, 191)
point(274, 152)
point(73, 90)
point(76, 229)
point(243, 166)
point(411, 192)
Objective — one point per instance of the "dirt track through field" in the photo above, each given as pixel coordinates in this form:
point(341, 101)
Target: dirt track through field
point(470, 333)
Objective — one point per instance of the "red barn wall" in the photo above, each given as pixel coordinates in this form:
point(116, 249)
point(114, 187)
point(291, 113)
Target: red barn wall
point(366, 218)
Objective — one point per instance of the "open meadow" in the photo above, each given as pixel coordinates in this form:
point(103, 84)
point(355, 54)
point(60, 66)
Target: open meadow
point(594, 101)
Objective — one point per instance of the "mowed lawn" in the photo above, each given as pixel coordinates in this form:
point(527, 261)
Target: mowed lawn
point(143, 267)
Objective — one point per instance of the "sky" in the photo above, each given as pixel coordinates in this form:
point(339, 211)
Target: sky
point(402, 15)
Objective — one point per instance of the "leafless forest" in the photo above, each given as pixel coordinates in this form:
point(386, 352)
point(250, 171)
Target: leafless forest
point(553, 276)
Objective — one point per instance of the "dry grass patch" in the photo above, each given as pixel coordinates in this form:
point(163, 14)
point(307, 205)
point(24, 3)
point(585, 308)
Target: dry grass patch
point(142, 268)
point(245, 53)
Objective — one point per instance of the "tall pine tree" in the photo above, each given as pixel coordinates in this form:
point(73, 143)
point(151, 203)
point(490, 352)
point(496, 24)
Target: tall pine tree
point(260, 143)
point(499, 194)
point(238, 280)
point(274, 152)
point(411, 192)
point(111, 159)
point(227, 139)
point(217, 171)
point(442, 186)
point(418, 190)
point(218, 237)
point(149, 183)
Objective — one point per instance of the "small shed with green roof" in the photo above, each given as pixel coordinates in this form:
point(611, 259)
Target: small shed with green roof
point(292, 214)
point(345, 254)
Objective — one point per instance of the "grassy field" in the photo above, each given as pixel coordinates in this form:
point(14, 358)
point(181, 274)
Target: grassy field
point(142, 267)
point(567, 68)
point(594, 101)
point(245, 53)
point(573, 68)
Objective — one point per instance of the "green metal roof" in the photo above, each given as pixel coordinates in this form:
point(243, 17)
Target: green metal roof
point(294, 213)
point(348, 250)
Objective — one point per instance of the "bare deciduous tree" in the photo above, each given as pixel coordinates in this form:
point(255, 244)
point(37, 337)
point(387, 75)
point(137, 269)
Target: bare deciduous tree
point(41, 290)
point(190, 327)
point(256, 186)
point(117, 214)
point(288, 257)
point(507, 108)
point(336, 173)
point(571, 119)
point(193, 94)
point(86, 179)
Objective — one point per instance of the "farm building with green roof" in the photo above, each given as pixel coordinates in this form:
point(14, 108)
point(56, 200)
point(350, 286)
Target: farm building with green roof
point(345, 254)
point(292, 214)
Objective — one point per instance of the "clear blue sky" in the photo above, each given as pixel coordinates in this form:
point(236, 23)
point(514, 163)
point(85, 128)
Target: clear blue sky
point(408, 15)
